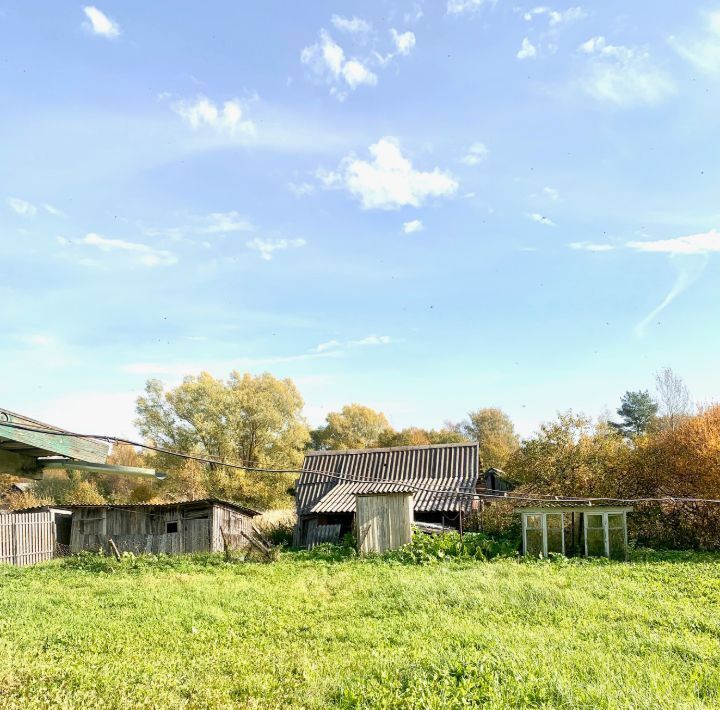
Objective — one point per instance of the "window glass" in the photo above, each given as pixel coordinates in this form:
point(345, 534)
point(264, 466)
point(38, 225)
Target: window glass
point(595, 542)
point(615, 520)
point(617, 543)
point(534, 521)
point(533, 542)
point(554, 532)
point(594, 520)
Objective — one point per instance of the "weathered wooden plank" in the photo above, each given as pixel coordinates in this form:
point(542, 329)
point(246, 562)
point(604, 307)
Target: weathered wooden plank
point(384, 521)
point(52, 443)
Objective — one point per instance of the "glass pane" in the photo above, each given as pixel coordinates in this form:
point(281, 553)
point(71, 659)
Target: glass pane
point(534, 521)
point(615, 520)
point(554, 539)
point(595, 542)
point(594, 520)
point(617, 543)
point(533, 542)
point(554, 520)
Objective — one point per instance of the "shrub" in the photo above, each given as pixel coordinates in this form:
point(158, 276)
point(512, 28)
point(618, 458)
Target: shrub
point(426, 548)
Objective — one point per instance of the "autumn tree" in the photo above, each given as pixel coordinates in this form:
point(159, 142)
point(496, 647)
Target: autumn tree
point(673, 399)
point(638, 411)
point(495, 434)
point(415, 436)
point(353, 427)
point(253, 420)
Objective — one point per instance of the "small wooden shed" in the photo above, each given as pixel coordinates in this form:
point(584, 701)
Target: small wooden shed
point(384, 520)
point(575, 528)
point(191, 526)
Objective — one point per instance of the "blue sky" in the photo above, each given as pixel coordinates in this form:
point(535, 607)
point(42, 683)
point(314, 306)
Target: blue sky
point(423, 207)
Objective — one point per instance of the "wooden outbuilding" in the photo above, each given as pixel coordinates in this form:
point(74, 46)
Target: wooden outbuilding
point(384, 521)
point(575, 529)
point(443, 479)
point(192, 526)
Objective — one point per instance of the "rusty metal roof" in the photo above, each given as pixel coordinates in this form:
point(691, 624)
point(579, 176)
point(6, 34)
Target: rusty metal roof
point(434, 474)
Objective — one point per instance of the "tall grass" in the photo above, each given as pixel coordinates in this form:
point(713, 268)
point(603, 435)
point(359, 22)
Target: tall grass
point(349, 632)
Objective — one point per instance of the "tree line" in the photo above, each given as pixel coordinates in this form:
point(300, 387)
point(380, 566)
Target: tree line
point(656, 445)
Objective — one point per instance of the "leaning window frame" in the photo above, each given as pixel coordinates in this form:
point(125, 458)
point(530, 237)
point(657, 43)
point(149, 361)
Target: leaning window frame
point(543, 527)
point(606, 529)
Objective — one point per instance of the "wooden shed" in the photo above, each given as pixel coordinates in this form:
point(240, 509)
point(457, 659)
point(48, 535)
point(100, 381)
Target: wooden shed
point(173, 528)
point(384, 521)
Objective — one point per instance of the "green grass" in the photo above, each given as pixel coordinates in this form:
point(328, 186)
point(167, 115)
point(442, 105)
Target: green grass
point(315, 634)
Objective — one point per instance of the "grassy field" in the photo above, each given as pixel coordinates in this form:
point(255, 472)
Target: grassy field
point(313, 633)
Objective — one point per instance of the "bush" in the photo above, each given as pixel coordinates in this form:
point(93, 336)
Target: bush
point(426, 548)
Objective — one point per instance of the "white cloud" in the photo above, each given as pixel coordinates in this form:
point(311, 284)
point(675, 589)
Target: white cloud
point(457, 7)
point(99, 23)
point(541, 219)
point(354, 25)
point(556, 17)
point(591, 246)
point(413, 226)
point(476, 153)
point(334, 346)
point(267, 247)
point(527, 50)
point(54, 211)
point(37, 339)
point(22, 207)
point(227, 118)
point(702, 51)
point(552, 193)
point(623, 75)
point(388, 180)
point(146, 255)
point(403, 42)
point(703, 243)
point(300, 189)
point(219, 222)
point(327, 59)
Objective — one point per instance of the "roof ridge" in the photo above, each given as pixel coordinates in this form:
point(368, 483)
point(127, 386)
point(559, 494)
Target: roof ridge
point(422, 447)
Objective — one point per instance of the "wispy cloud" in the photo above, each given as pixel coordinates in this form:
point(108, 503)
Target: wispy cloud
point(223, 222)
point(475, 154)
point(225, 118)
point(458, 7)
point(143, 254)
point(54, 211)
point(621, 75)
point(99, 23)
point(354, 25)
point(388, 180)
point(591, 246)
point(552, 193)
point(267, 247)
point(336, 346)
point(21, 207)
point(702, 50)
point(556, 17)
point(541, 219)
point(413, 226)
point(703, 243)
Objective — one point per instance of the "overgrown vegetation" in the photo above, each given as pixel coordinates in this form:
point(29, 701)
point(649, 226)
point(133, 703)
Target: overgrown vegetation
point(308, 632)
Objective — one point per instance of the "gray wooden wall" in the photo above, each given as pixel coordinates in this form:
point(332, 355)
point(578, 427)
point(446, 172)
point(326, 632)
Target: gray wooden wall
point(26, 538)
point(384, 521)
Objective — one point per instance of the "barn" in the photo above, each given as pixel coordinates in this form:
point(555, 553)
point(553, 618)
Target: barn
point(440, 477)
point(173, 528)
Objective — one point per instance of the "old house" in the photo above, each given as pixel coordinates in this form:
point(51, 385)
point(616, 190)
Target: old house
point(191, 526)
point(442, 478)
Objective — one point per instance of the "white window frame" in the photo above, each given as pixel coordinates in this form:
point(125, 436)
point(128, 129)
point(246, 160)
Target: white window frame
point(606, 529)
point(543, 526)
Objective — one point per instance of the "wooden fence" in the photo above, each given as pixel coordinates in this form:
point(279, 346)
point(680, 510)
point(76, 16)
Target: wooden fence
point(27, 538)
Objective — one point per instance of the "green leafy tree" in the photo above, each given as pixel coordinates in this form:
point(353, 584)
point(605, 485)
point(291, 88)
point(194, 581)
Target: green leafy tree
point(495, 434)
point(638, 411)
point(353, 427)
point(415, 436)
point(254, 420)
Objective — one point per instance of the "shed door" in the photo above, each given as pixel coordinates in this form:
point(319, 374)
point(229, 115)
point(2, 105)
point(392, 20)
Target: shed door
point(196, 535)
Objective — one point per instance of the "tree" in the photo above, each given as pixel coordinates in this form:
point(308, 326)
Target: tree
point(415, 436)
point(353, 427)
point(255, 420)
point(674, 398)
point(495, 434)
point(570, 457)
point(638, 411)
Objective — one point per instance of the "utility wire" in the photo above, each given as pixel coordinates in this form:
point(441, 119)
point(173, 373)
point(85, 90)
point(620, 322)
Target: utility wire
point(495, 495)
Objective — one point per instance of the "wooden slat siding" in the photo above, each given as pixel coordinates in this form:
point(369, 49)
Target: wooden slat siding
point(436, 468)
point(38, 444)
point(233, 524)
point(27, 538)
point(323, 533)
point(384, 522)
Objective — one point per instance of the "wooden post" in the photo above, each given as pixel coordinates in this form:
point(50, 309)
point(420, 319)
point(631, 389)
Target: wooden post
point(113, 548)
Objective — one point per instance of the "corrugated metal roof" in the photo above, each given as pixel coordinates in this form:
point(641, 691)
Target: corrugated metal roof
point(441, 472)
point(180, 503)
